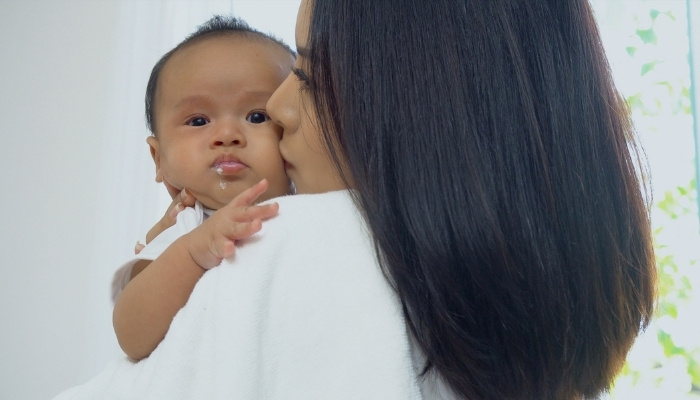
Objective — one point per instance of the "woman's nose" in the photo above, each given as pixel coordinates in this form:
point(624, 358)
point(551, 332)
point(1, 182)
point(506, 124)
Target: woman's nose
point(280, 106)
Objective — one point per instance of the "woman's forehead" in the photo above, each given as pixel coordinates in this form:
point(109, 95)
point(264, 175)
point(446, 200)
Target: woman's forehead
point(303, 22)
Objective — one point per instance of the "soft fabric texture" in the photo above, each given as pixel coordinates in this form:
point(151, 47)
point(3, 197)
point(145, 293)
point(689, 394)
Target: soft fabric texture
point(302, 312)
point(186, 221)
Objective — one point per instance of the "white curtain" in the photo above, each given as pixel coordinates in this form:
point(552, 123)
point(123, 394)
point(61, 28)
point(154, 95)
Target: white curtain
point(76, 174)
point(694, 39)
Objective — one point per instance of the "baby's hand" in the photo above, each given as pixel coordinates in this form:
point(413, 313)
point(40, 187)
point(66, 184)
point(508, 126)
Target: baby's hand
point(180, 201)
point(215, 239)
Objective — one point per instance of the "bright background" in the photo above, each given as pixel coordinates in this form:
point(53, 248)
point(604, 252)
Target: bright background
point(76, 171)
point(653, 52)
point(79, 181)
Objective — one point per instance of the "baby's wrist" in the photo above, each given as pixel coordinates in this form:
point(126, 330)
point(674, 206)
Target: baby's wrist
point(199, 254)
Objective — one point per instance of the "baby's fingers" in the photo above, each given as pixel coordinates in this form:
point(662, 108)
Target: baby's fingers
point(251, 213)
point(224, 246)
point(242, 230)
point(182, 200)
point(248, 196)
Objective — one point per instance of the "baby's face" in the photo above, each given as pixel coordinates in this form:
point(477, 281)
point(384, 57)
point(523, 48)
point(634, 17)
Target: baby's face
point(214, 136)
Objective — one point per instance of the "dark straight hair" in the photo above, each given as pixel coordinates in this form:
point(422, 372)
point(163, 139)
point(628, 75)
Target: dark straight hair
point(496, 165)
point(217, 25)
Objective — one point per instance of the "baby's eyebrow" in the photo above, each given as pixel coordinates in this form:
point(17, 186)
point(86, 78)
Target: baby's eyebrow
point(255, 94)
point(243, 95)
point(190, 100)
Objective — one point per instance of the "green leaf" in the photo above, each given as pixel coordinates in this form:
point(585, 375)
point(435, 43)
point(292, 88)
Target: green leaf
point(666, 343)
point(635, 102)
point(647, 35)
point(669, 309)
point(653, 14)
point(648, 67)
point(631, 50)
point(694, 367)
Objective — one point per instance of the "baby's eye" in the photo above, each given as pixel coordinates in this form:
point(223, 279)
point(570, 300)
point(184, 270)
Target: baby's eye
point(197, 121)
point(257, 117)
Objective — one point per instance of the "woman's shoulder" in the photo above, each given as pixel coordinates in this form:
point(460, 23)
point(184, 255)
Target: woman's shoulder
point(315, 211)
point(315, 222)
point(317, 240)
point(340, 198)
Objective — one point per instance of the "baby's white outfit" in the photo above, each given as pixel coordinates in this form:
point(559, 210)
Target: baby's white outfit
point(187, 220)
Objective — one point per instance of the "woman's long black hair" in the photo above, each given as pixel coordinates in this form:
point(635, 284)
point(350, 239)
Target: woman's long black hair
point(495, 163)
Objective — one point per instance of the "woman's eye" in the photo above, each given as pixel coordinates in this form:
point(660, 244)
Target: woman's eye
point(197, 121)
point(302, 77)
point(257, 117)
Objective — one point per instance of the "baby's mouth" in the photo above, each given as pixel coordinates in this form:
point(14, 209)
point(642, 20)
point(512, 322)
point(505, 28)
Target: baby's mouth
point(228, 167)
point(228, 164)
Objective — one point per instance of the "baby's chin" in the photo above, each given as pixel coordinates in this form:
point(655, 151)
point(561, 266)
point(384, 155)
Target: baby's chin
point(214, 202)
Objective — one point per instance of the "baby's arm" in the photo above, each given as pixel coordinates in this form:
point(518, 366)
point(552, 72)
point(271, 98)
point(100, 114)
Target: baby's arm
point(181, 200)
point(144, 310)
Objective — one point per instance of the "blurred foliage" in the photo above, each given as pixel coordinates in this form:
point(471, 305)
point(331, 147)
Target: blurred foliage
point(665, 361)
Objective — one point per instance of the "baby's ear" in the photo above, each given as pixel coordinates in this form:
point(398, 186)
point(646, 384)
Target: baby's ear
point(154, 144)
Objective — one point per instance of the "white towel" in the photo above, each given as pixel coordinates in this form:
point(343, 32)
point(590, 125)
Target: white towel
point(302, 312)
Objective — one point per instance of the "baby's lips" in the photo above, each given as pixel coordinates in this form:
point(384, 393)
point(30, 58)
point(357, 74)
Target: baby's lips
point(229, 167)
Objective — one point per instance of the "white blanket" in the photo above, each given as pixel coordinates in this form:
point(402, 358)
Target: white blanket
point(302, 312)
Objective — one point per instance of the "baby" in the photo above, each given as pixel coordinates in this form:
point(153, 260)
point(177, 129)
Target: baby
point(214, 147)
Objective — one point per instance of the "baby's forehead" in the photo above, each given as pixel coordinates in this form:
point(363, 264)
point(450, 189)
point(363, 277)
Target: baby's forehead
point(235, 40)
point(244, 52)
point(237, 50)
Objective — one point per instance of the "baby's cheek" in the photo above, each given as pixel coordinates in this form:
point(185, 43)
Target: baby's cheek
point(171, 176)
point(159, 175)
point(174, 167)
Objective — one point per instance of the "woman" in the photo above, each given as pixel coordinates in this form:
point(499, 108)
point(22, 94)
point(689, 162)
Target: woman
point(506, 252)
point(494, 163)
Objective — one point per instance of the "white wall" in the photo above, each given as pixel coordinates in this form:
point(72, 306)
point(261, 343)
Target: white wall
point(76, 173)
